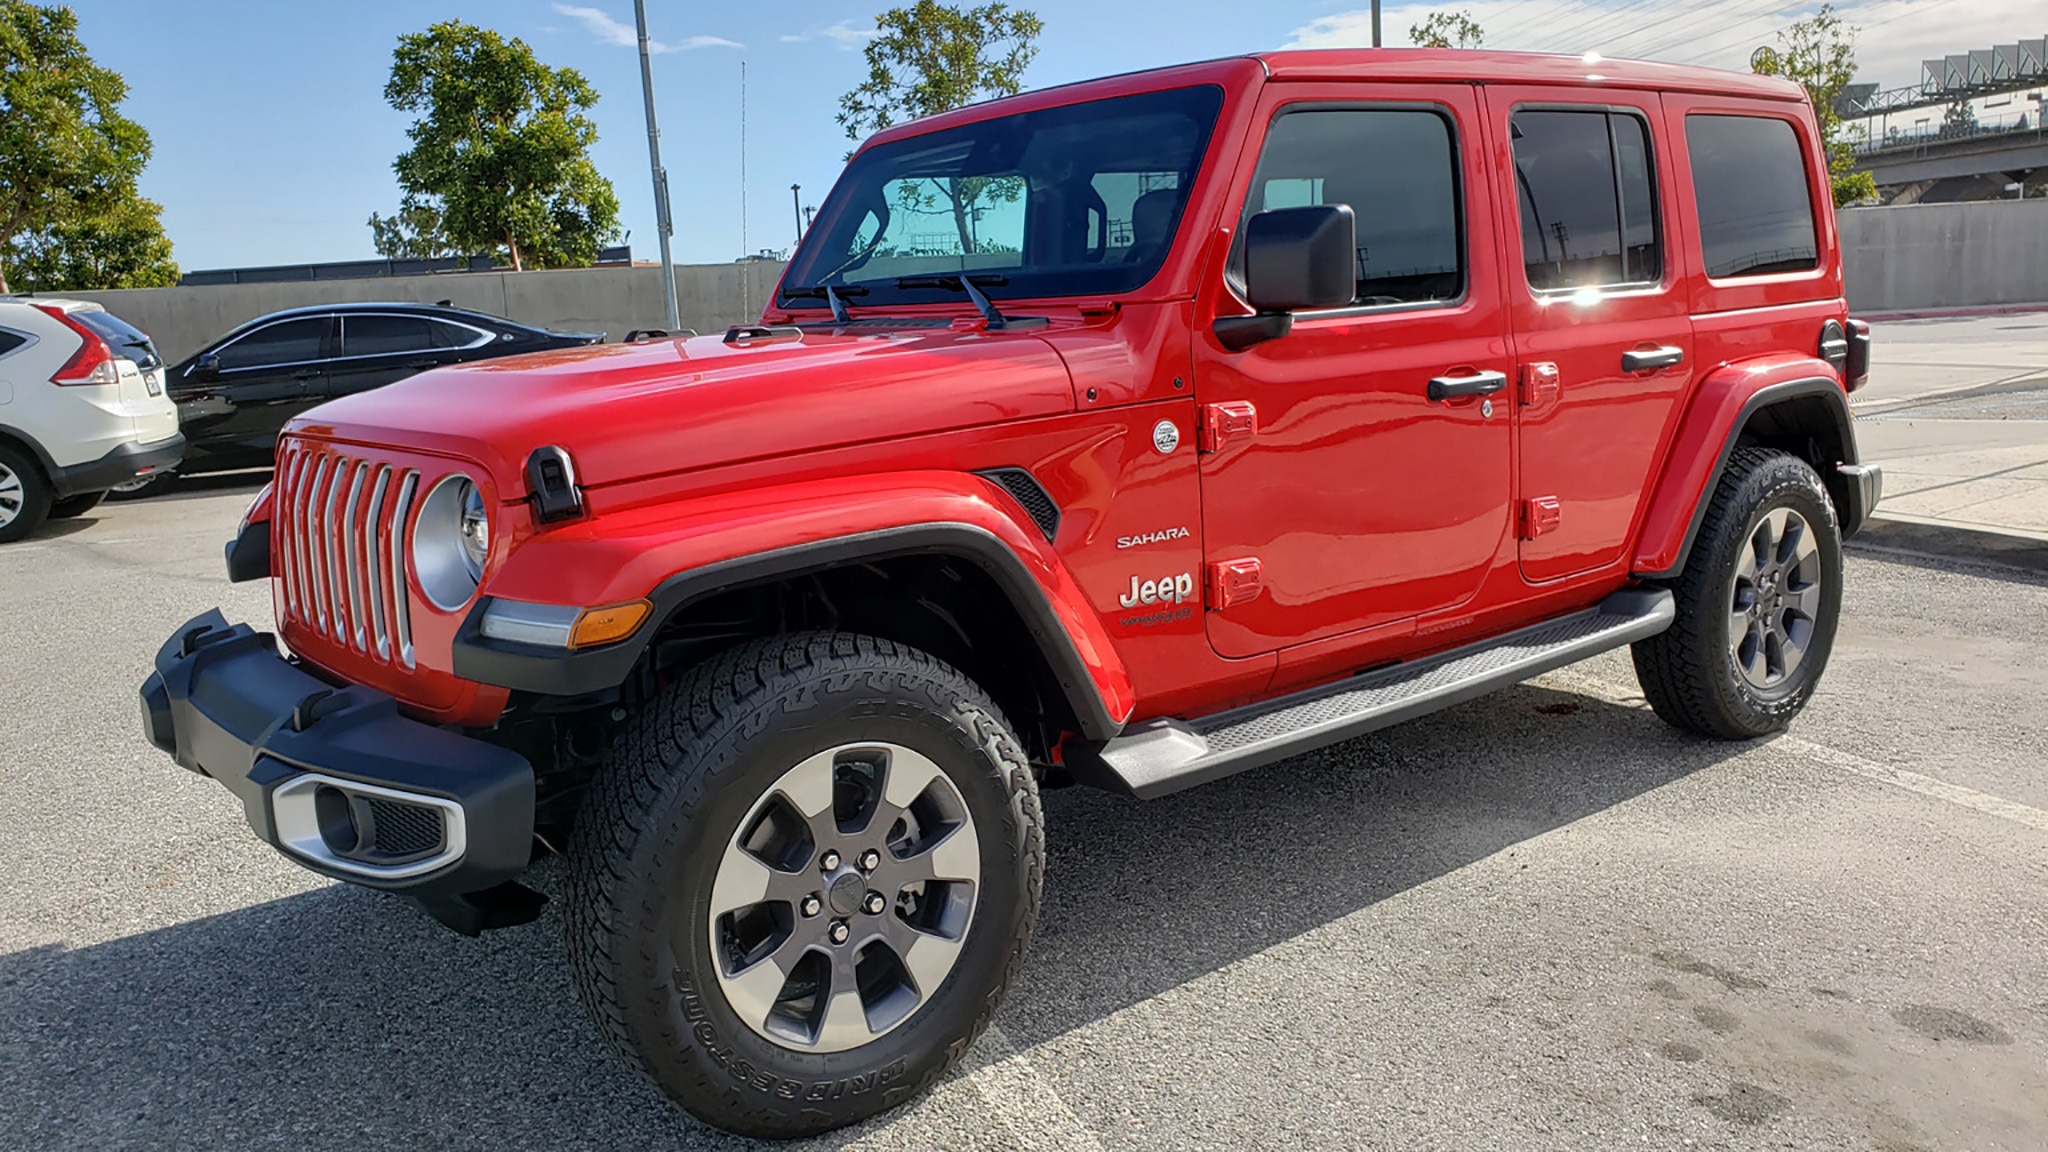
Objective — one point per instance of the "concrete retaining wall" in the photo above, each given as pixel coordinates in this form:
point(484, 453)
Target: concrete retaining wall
point(1916, 256)
point(1946, 255)
point(611, 300)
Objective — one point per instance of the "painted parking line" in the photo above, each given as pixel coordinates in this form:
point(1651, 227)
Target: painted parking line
point(1985, 802)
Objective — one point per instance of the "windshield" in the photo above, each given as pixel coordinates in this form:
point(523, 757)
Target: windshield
point(124, 338)
point(1082, 199)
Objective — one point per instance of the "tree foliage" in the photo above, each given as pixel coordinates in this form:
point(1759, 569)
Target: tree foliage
point(121, 248)
point(932, 58)
point(1819, 54)
point(500, 149)
point(411, 233)
point(1447, 30)
point(68, 158)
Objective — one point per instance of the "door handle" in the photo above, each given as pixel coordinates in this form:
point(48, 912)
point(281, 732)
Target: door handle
point(1475, 384)
point(307, 374)
point(1651, 359)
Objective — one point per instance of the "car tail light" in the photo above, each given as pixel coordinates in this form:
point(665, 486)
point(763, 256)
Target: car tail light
point(93, 363)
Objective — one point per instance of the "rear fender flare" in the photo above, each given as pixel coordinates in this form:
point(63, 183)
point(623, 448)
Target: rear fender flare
point(1724, 407)
point(679, 553)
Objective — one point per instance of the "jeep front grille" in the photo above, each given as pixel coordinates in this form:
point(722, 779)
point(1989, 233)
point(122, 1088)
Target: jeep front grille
point(340, 534)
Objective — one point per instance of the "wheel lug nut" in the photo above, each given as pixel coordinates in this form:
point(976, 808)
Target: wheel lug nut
point(837, 932)
point(875, 904)
point(829, 861)
point(811, 906)
point(870, 860)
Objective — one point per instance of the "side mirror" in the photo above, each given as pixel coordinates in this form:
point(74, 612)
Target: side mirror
point(1294, 258)
point(205, 368)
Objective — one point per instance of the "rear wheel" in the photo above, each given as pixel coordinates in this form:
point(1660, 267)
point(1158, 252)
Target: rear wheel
point(24, 495)
point(1757, 604)
point(803, 880)
point(143, 487)
point(78, 505)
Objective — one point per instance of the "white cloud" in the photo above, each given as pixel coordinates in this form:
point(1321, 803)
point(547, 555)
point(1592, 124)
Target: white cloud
point(1896, 34)
point(609, 31)
point(847, 36)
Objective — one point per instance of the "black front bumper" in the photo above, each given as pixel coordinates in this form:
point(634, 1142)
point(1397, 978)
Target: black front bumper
point(225, 703)
point(118, 466)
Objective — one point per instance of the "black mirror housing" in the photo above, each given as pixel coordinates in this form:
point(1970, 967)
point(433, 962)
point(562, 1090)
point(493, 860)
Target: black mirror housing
point(1296, 258)
point(207, 365)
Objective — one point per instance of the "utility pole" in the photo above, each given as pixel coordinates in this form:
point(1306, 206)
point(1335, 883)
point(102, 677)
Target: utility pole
point(662, 223)
point(1375, 23)
point(796, 201)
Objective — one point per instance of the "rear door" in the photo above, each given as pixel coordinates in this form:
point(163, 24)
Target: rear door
point(379, 348)
point(1597, 299)
point(1362, 500)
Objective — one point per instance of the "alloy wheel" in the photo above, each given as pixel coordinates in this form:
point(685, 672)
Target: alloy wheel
point(11, 496)
point(1774, 599)
point(842, 901)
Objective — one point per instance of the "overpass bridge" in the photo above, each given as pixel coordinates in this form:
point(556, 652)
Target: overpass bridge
point(1952, 125)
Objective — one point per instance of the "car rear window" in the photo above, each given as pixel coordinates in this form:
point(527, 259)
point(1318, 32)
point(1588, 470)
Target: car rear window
point(124, 338)
point(1749, 180)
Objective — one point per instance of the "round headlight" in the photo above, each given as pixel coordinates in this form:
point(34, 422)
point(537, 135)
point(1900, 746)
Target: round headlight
point(450, 541)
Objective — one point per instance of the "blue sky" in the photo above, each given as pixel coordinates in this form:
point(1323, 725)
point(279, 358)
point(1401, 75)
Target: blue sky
point(273, 143)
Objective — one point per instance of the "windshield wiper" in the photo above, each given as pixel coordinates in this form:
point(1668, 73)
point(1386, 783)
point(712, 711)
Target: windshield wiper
point(833, 294)
point(965, 284)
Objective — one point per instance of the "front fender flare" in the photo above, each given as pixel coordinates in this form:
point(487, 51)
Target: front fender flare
point(679, 553)
point(1713, 426)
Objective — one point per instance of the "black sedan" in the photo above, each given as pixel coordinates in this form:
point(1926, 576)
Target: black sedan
point(236, 393)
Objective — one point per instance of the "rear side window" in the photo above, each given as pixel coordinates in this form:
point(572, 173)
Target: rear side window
point(1749, 180)
point(1397, 169)
point(1588, 204)
point(9, 341)
point(289, 342)
point(386, 335)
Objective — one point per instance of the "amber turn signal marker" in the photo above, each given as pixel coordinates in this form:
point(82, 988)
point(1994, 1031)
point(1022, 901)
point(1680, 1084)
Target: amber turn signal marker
point(604, 625)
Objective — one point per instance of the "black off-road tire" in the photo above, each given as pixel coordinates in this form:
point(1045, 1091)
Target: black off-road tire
point(28, 497)
point(680, 777)
point(74, 506)
point(1689, 672)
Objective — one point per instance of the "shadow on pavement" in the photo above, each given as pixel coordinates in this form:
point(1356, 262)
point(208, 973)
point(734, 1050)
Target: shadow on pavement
point(341, 1018)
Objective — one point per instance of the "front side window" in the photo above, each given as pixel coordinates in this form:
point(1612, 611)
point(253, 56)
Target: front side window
point(1588, 204)
point(1058, 202)
point(288, 342)
point(1398, 170)
point(1749, 181)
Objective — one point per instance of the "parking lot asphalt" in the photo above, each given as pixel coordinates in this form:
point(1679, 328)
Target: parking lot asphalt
point(1541, 920)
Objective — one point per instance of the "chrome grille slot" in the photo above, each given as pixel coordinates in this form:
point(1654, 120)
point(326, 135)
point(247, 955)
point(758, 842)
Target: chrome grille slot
point(340, 531)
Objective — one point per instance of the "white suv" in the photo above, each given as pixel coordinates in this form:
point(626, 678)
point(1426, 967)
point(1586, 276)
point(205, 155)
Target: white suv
point(82, 409)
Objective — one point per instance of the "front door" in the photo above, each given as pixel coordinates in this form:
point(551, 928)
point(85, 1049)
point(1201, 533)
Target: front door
point(1603, 334)
point(1362, 499)
point(266, 377)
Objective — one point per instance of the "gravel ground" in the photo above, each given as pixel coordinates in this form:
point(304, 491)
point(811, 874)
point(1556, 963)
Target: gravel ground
point(1541, 920)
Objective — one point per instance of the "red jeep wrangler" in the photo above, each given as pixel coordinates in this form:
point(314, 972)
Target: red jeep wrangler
point(1127, 434)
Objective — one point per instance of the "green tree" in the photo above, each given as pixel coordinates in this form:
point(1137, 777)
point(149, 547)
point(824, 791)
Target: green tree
point(1447, 30)
point(122, 248)
point(67, 155)
point(411, 233)
point(1819, 54)
point(501, 148)
point(932, 58)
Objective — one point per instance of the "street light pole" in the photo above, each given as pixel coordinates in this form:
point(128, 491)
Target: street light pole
point(662, 224)
point(796, 201)
point(1375, 25)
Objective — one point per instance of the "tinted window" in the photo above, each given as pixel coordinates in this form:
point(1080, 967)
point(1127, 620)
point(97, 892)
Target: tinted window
point(1749, 180)
point(1398, 172)
point(1588, 207)
point(386, 335)
point(454, 335)
point(1062, 201)
point(9, 341)
point(124, 338)
point(290, 342)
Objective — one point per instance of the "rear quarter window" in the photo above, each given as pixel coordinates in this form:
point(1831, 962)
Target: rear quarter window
point(9, 341)
point(1749, 184)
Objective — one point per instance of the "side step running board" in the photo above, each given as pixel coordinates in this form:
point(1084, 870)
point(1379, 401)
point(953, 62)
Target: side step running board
point(1159, 757)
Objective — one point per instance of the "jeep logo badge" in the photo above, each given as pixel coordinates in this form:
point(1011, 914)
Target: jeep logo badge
point(1165, 590)
point(1165, 437)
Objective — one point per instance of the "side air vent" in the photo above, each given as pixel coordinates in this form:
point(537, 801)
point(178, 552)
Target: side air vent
point(1025, 487)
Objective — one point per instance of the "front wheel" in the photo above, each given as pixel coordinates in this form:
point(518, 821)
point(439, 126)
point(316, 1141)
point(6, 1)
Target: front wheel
point(1758, 602)
point(803, 880)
